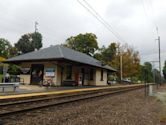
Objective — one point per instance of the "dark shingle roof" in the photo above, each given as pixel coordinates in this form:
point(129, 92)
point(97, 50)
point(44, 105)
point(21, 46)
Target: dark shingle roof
point(59, 52)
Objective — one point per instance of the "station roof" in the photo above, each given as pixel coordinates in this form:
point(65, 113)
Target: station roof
point(59, 52)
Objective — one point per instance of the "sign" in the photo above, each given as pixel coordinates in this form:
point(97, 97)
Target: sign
point(50, 72)
point(25, 70)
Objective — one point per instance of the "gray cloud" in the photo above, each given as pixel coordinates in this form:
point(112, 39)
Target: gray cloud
point(61, 19)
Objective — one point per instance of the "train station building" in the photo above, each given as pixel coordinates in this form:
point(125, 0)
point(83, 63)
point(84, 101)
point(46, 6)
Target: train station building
point(62, 66)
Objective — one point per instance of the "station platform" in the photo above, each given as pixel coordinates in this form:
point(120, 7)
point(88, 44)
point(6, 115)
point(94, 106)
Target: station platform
point(25, 89)
point(32, 91)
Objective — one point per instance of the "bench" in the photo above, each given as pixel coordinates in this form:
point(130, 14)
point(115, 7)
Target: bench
point(69, 83)
point(14, 85)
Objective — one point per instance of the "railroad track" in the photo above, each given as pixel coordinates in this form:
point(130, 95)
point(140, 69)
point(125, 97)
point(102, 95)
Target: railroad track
point(23, 106)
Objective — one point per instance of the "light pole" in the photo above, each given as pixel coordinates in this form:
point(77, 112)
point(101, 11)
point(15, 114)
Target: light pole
point(36, 29)
point(121, 65)
point(158, 39)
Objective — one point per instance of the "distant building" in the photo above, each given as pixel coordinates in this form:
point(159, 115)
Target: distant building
point(63, 66)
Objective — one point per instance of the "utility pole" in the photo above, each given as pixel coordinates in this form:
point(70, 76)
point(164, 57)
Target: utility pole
point(158, 39)
point(36, 29)
point(120, 65)
point(159, 58)
point(121, 68)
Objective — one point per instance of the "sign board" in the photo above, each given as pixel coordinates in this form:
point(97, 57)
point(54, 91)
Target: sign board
point(25, 70)
point(50, 72)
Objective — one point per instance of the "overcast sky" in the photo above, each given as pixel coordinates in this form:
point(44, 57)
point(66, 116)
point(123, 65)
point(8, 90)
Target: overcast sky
point(134, 20)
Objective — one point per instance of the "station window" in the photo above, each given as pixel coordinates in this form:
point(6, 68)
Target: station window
point(91, 74)
point(69, 72)
point(102, 75)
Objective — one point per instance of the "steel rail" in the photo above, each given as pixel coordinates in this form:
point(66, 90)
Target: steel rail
point(75, 99)
point(42, 98)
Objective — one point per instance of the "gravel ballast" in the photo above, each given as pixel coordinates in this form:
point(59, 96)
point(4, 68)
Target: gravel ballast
point(131, 108)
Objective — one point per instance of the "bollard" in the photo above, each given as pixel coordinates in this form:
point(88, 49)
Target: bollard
point(150, 90)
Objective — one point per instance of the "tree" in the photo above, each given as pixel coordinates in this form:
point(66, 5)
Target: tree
point(13, 51)
point(14, 69)
point(130, 61)
point(36, 40)
point(85, 43)
point(106, 54)
point(110, 52)
point(146, 72)
point(29, 42)
point(164, 70)
point(156, 75)
point(5, 47)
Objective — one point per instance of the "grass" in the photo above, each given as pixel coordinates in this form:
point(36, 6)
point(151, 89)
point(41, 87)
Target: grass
point(1, 75)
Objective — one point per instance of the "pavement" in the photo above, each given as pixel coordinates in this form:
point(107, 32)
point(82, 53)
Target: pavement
point(22, 89)
point(26, 89)
point(161, 96)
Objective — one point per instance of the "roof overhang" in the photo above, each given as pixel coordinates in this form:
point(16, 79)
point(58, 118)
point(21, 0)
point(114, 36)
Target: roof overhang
point(58, 59)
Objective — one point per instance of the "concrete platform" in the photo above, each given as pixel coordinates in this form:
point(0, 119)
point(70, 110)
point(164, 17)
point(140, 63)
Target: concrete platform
point(23, 89)
point(32, 91)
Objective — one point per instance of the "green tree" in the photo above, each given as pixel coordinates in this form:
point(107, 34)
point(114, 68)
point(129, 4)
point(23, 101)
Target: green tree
point(29, 42)
point(36, 40)
point(110, 52)
point(146, 72)
point(106, 54)
point(13, 51)
point(156, 75)
point(85, 43)
point(14, 69)
point(5, 47)
point(164, 70)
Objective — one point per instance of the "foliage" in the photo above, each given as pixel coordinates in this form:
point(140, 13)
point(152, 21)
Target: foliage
point(107, 54)
point(85, 43)
point(130, 62)
point(146, 72)
point(1, 76)
point(29, 42)
point(36, 40)
point(1, 69)
point(156, 75)
point(164, 70)
point(4, 48)
point(13, 51)
point(130, 59)
point(2, 59)
point(14, 69)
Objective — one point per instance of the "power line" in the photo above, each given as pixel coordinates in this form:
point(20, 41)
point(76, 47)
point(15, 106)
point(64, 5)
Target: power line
point(153, 12)
point(95, 14)
point(147, 15)
point(152, 54)
point(102, 19)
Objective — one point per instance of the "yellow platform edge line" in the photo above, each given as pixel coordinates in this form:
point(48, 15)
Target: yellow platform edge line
point(62, 92)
